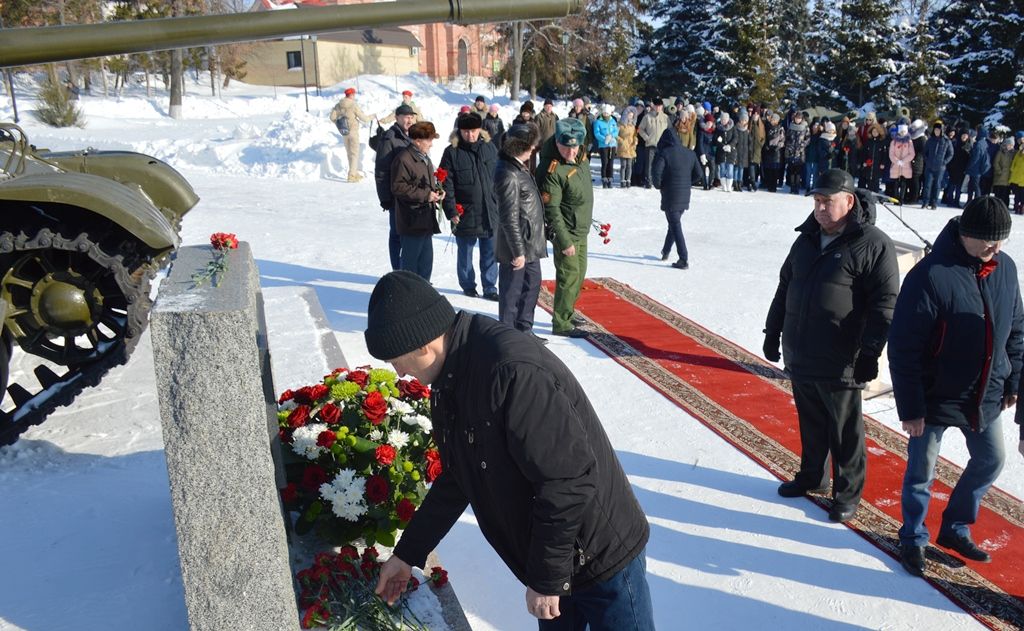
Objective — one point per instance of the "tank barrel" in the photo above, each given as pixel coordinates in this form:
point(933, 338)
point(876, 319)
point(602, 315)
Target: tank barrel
point(25, 46)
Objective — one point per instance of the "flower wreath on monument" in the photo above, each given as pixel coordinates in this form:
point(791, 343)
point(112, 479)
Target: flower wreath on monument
point(358, 458)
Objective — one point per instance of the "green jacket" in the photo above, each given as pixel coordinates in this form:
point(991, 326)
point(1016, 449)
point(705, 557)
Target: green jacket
point(567, 193)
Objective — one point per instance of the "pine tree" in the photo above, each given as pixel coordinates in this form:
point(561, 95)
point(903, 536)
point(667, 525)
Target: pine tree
point(923, 76)
point(985, 44)
point(606, 68)
point(823, 61)
point(683, 54)
point(867, 47)
point(791, 62)
point(749, 65)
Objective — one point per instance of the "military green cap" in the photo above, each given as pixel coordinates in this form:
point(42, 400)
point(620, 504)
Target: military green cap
point(569, 132)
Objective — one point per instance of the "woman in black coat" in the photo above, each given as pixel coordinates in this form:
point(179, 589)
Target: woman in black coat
point(673, 173)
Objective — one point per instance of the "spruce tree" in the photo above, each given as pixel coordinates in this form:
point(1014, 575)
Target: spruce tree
point(867, 47)
point(682, 55)
point(750, 64)
point(791, 63)
point(984, 41)
point(923, 76)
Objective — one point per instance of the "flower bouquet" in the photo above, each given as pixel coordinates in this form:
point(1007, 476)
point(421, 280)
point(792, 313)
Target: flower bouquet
point(361, 454)
point(602, 230)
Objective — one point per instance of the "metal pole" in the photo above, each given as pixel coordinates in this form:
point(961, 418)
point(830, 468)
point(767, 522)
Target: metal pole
point(10, 83)
point(316, 65)
point(302, 52)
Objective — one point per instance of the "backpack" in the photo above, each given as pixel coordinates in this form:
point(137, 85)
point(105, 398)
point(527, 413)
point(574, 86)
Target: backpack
point(342, 124)
point(377, 137)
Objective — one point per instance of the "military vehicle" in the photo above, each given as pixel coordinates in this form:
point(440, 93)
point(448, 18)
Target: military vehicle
point(82, 233)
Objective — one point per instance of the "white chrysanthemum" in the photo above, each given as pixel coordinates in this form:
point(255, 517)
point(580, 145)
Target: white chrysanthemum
point(375, 435)
point(420, 421)
point(345, 493)
point(287, 406)
point(399, 407)
point(397, 438)
point(304, 441)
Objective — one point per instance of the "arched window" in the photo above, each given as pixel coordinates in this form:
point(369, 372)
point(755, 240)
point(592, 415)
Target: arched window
point(463, 57)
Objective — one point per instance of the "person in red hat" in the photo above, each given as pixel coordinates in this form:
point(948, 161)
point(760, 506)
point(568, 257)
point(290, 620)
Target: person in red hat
point(346, 115)
point(406, 100)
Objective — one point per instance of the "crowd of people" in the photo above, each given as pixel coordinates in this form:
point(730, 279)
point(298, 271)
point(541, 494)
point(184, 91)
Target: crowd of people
point(954, 330)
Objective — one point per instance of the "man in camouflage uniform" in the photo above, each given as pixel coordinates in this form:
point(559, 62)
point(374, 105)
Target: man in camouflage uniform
point(563, 177)
point(349, 109)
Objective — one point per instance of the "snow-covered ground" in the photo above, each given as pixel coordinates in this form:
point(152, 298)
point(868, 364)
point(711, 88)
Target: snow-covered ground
point(86, 531)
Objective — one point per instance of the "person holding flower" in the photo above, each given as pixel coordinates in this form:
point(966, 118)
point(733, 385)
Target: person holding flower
point(519, 442)
point(416, 191)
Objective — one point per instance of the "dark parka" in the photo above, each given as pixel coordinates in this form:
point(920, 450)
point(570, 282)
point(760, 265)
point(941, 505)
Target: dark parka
point(834, 303)
point(942, 369)
point(743, 148)
point(470, 182)
point(412, 180)
point(495, 128)
point(938, 152)
point(393, 142)
point(674, 171)
point(519, 219)
point(797, 138)
point(521, 444)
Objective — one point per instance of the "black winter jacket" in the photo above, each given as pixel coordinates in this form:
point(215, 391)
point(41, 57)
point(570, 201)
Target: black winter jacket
point(938, 151)
point(519, 219)
point(521, 444)
point(412, 180)
point(674, 171)
point(942, 369)
point(393, 142)
point(470, 182)
point(495, 128)
point(834, 303)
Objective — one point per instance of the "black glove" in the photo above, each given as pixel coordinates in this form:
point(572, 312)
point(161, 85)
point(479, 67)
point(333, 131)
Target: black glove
point(771, 346)
point(865, 369)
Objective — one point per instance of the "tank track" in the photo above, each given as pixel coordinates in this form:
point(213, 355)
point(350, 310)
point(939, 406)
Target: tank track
point(132, 272)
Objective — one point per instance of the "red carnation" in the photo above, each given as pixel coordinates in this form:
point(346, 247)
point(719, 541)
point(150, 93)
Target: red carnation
point(223, 241)
point(375, 407)
point(460, 209)
point(438, 576)
point(284, 435)
point(385, 455)
point(413, 389)
point(868, 162)
point(290, 493)
point(376, 489)
point(326, 438)
point(607, 241)
point(441, 175)
point(298, 417)
point(414, 584)
point(371, 554)
point(312, 477)
point(603, 233)
point(315, 616)
point(405, 510)
point(360, 377)
point(348, 552)
point(287, 395)
point(330, 413)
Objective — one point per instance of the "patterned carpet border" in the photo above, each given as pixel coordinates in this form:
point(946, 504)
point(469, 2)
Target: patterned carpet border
point(983, 599)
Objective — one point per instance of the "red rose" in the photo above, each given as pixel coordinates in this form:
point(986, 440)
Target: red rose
point(326, 438)
point(405, 510)
point(312, 477)
point(376, 489)
point(433, 470)
point(290, 493)
point(432, 455)
point(385, 455)
point(359, 376)
point(413, 389)
point(298, 417)
point(375, 407)
point(441, 175)
point(318, 391)
point(330, 413)
point(287, 395)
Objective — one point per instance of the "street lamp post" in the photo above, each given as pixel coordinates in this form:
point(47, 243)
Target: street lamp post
point(565, 62)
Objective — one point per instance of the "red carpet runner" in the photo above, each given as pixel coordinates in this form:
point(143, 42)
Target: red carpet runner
point(749, 403)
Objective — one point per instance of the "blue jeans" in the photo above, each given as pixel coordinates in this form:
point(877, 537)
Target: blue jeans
point(418, 255)
point(488, 266)
point(675, 235)
point(724, 170)
point(986, 461)
point(621, 603)
point(811, 171)
point(973, 187)
point(932, 180)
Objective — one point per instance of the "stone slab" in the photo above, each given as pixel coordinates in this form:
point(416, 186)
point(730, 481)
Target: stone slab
point(212, 368)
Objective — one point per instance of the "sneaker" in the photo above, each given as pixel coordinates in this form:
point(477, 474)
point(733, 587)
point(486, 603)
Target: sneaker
point(574, 332)
point(912, 558)
point(470, 292)
point(962, 545)
point(492, 296)
point(681, 265)
point(795, 489)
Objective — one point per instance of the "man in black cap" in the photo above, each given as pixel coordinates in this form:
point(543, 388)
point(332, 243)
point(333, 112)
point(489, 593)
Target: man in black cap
point(955, 352)
point(521, 444)
point(480, 106)
point(394, 141)
point(832, 310)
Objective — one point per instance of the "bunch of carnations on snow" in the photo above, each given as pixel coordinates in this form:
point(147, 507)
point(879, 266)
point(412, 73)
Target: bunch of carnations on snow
point(361, 454)
point(337, 591)
point(602, 230)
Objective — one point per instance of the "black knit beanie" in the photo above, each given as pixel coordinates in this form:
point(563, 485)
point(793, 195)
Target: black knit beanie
point(404, 313)
point(986, 218)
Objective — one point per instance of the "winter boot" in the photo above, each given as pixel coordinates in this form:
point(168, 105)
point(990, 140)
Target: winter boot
point(727, 184)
